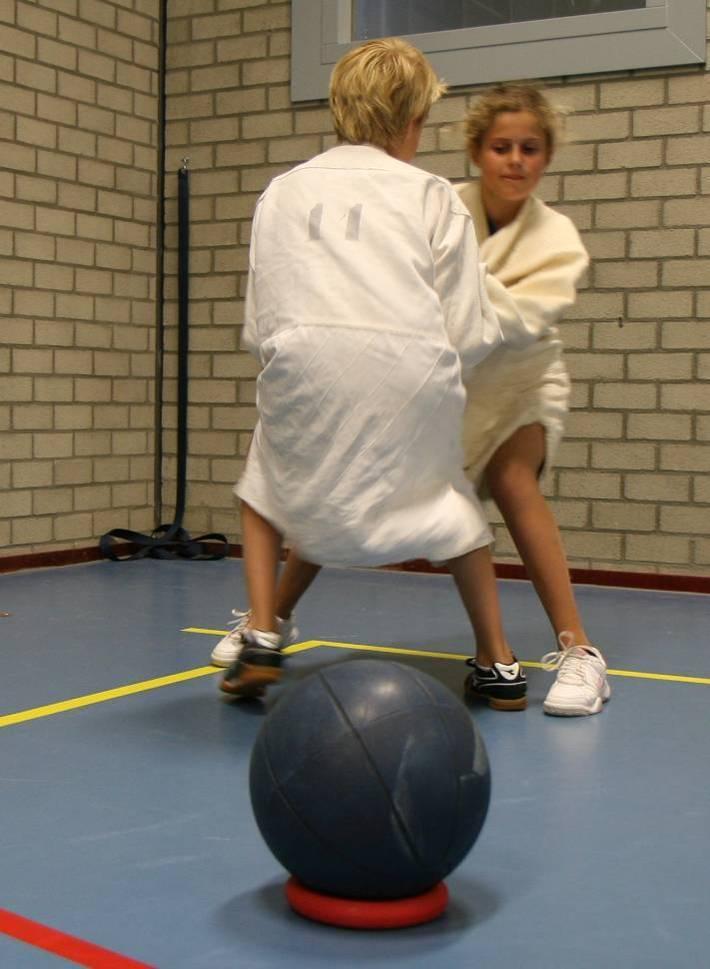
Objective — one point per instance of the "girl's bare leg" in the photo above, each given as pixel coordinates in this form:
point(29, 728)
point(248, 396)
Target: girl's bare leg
point(476, 582)
point(294, 581)
point(262, 552)
point(512, 477)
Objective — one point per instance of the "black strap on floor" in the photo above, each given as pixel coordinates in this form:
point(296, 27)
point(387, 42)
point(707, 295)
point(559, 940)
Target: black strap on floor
point(172, 541)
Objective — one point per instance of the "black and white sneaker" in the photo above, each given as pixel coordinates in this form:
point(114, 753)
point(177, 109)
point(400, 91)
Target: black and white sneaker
point(257, 666)
point(504, 684)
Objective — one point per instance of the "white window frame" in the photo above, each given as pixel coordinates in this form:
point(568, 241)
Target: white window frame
point(662, 34)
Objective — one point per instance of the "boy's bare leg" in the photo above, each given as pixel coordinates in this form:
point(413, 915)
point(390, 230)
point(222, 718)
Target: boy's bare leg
point(476, 582)
point(262, 552)
point(294, 581)
point(512, 477)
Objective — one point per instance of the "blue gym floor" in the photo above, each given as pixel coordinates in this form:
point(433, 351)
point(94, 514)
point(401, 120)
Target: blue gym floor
point(126, 819)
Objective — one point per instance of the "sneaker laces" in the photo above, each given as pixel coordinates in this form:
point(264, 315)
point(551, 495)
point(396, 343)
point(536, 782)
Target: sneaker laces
point(570, 663)
point(240, 622)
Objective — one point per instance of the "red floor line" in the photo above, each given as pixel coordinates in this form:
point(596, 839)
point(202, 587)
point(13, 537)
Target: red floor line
point(66, 946)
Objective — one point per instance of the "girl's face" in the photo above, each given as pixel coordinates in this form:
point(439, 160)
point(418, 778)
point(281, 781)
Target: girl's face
point(512, 157)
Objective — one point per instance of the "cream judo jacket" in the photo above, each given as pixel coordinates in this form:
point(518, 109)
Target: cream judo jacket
point(537, 261)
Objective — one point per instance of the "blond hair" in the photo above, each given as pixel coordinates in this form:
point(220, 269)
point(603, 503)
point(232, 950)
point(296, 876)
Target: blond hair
point(377, 88)
point(512, 97)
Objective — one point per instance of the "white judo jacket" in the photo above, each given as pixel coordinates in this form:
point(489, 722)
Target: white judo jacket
point(365, 307)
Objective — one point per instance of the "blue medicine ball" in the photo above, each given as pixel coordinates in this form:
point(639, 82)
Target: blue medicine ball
point(369, 780)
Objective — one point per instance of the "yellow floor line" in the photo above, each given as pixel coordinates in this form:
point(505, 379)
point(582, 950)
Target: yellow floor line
point(21, 716)
point(531, 664)
point(90, 698)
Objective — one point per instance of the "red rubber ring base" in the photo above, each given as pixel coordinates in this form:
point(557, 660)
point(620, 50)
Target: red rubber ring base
point(357, 913)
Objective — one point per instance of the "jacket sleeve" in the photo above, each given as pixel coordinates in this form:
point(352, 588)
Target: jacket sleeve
point(534, 290)
point(469, 318)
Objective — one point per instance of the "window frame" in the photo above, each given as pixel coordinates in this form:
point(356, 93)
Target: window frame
point(664, 33)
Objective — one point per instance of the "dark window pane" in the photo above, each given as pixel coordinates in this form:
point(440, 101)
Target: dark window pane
point(383, 18)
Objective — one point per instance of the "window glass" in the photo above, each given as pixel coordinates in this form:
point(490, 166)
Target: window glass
point(381, 18)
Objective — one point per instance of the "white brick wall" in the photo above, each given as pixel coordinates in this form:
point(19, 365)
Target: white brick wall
point(77, 124)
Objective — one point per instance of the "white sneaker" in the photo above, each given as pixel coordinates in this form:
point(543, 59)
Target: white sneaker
point(229, 647)
point(581, 687)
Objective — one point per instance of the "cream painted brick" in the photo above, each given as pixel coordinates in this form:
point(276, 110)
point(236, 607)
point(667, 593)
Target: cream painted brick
point(108, 42)
point(111, 417)
point(657, 487)
point(32, 189)
point(605, 245)
point(31, 132)
point(32, 361)
point(686, 397)
point(14, 272)
point(271, 71)
point(587, 366)
point(589, 484)
point(605, 126)
point(34, 245)
point(52, 501)
point(607, 186)
point(92, 443)
point(74, 306)
point(16, 215)
point(30, 302)
point(56, 165)
point(32, 474)
point(628, 274)
point(587, 544)
point(111, 256)
point(696, 521)
point(77, 525)
point(629, 336)
point(72, 471)
point(627, 215)
point(631, 154)
point(571, 158)
point(251, 153)
point(293, 149)
point(193, 54)
point(73, 417)
point(76, 142)
point(666, 121)
point(690, 335)
point(208, 26)
point(52, 445)
point(596, 306)
point(131, 494)
point(688, 151)
point(15, 446)
point(241, 102)
point(30, 531)
point(19, 42)
point(214, 78)
point(110, 469)
point(54, 276)
point(659, 426)
point(32, 417)
point(624, 517)
point(313, 121)
point(16, 388)
point(76, 88)
point(267, 18)
point(657, 548)
point(695, 87)
point(685, 457)
point(96, 65)
point(675, 181)
point(73, 361)
point(631, 94)
point(660, 366)
point(625, 396)
point(131, 391)
point(703, 360)
point(624, 456)
point(16, 504)
point(703, 242)
point(590, 425)
point(37, 76)
point(54, 389)
point(92, 498)
point(686, 211)
point(703, 304)
point(58, 110)
point(660, 305)
point(217, 129)
point(686, 272)
point(701, 489)
point(267, 125)
point(657, 243)
point(702, 551)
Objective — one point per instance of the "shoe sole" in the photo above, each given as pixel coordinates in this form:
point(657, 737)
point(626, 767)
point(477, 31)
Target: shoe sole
point(252, 681)
point(223, 663)
point(579, 711)
point(497, 703)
